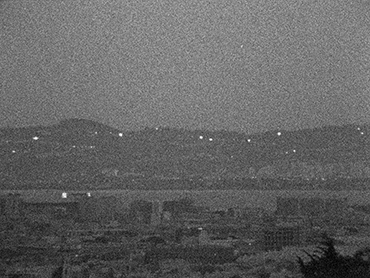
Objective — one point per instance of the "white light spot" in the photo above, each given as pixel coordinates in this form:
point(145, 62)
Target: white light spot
point(286, 152)
point(120, 134)
point(210, 139)
point(73, 146)
point(241, 46)
point(279, 133)
point(201, 137)
point(64, 195)
point(13, 151)
point(156, 128)
point(362, 133)
point(35, 138)
point(88, 194)
point(294, 151)
point(358, 128)
point(249, 140)
point(95, 132)
point(92, 147)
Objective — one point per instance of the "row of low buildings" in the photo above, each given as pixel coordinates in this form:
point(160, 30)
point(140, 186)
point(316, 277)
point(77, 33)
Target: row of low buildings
point(290, 224)
point(181, 223)
point(81, 207)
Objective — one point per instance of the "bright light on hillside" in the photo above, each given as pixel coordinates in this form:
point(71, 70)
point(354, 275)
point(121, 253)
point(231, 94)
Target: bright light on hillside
point(210, 139)
point(35, 138)
point(279, 133)
point(120, 134)
point(64, 195)
point(249, 140)
point(201, 137)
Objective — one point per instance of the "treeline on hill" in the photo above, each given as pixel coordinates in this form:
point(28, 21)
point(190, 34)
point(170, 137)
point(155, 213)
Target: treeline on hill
point(328, 263)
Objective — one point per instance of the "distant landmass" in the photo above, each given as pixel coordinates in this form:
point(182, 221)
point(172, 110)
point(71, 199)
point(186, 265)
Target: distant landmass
point(78, 154)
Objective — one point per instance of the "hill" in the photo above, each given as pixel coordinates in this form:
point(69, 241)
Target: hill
point(80, 153)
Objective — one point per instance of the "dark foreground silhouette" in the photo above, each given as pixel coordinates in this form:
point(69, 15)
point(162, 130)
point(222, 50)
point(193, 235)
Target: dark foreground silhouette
point(328, 263)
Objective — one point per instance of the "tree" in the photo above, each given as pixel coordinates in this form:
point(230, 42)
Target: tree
point(328, 263)
point(58, 273)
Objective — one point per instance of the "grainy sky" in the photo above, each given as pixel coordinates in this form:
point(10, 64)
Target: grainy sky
point(249, 65)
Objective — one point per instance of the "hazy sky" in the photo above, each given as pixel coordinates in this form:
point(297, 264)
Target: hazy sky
point(247, 65)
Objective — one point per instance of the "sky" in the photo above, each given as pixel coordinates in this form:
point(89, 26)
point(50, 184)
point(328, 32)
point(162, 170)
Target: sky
point(249, 66)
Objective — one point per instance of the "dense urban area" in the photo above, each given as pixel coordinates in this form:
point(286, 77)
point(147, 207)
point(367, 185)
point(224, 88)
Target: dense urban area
point(56, 221)
point(81, 235)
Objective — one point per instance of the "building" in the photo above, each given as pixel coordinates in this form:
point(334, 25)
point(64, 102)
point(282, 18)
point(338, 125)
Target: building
point(140, 212)
point(280, 236)
point(101, 210)
point(11, 206)
point(311, 207)
point(53, 210)
point(157, 210)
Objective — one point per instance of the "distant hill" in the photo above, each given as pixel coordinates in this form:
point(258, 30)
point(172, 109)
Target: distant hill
point(80, 153)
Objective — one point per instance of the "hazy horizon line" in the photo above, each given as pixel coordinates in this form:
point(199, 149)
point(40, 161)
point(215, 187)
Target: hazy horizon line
point(141, 128)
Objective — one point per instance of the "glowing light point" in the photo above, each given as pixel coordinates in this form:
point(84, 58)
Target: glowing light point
point(362, 133)
point(249, 140)
point(358, 128)
point(64, 195)
point(286, 152)
point(95, 132)
point(88, 194)
point(35, 138)
point(294, 151)
point(279, 133)
point(156, 128)
point(201, 137)
point(120, 134)
point(13, 151)
point(210, 139)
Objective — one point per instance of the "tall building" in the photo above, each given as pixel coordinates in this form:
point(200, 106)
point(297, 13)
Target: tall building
point(156, 217)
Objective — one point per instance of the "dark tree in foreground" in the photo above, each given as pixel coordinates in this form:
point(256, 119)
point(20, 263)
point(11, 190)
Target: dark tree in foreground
point(328, 263)
point(58, 273)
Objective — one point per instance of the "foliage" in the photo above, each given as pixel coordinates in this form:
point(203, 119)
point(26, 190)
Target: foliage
point(328, 263)
point(206, 268)
point(58, 273)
